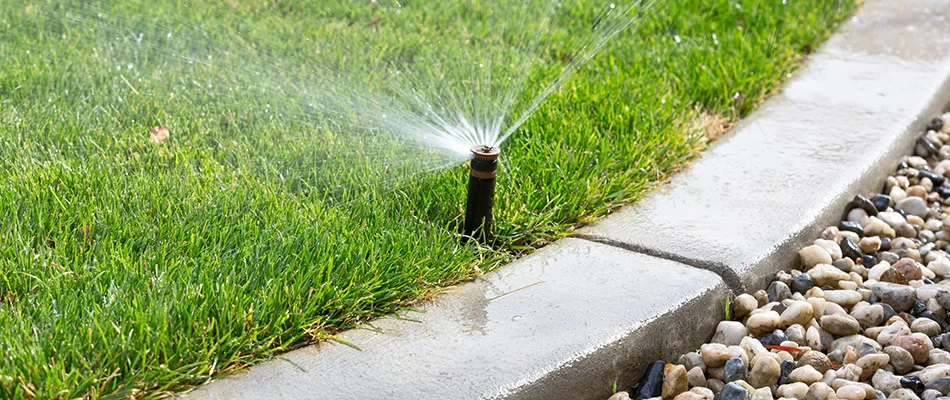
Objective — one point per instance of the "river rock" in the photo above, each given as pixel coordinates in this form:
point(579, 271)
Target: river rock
point(850, 392)
point(824, 274)
point(805, 374)
point(892, 331)
point(901, 297)
point(913, 383)
point(733, 391)
point(913, 206)
point(714, 354)
point(926, 326)
point(885, 381)
point(735, 370)
point(787, 367)
point(819, 391)
point(938, 356)
point(934, 372)
point(696, 377)
point(856, 341)
point(743, 305)
point(909, 268)
point(692, 360)
point(706, 392)
point(799, 312)
point(903, 394)
point(814, 255)
point(778, 291)
point(765, 371)
point(651, 382)
point(900, 359)
point(840, 324)
point(763, 322)
point(620, 396)
point(795, 390)
point(816, 359)
point(941, 385)
point(802, 282)
point(871, 363)
point(843, 298)
point(730, 333)
point(918, 347)
point(675, 380)
point(869, 315)
point(762, 394)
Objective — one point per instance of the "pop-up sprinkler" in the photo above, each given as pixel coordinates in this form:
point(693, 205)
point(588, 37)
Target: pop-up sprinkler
point(481, 192)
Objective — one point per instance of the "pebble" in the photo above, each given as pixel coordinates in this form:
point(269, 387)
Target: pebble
point(881, 202)
point(840, 324)
point(819, 391)
point(814, 255)
point(705, 392)
point(918, 347)
point(674, 380)
point(926, 326)
point(941, 385)
point(903, 394)
point(733, 391)
point(651, 383)
point(929, 395)
point(730, 333)
point(934, 372)
point(787, 366)
point(877, 227)
point(795, 390)
point(802, 282)
point(696, 377)
point(913, 205)
point(692, 360)
point(856, 341)
point(816, 359)
point(824, 274)
point(778, 291)
point(892, 331)
point(871, 363)
point(850, 392)
point(762, 394)
point(622, 396)
point(901, 297)
point(714, 354)
point(869, 315)
point(743, 305)
point(734, 370)
point(844, 298)
point(885, 381)
point(765, 371)
point(764, 322)
point(805, 374)
point(797, 313)
point(913, 383)
point(900, 359)
point(909, 268)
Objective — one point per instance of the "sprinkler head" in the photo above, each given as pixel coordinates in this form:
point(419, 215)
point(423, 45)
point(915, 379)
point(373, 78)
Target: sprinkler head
point(481, 192)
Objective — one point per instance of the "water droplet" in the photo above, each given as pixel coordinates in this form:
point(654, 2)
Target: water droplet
point(169, 34)
point(715, 39)
point(676, 38)
point(612, 6)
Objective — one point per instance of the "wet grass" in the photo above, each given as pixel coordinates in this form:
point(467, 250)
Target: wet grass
point(134, 268)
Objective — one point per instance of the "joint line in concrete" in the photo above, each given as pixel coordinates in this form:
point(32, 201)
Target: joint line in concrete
point(728, 276)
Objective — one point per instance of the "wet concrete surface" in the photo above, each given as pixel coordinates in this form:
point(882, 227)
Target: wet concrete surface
point(520, 332)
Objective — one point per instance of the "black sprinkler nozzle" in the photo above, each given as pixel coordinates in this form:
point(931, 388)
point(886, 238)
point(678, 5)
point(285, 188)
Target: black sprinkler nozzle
point(481, 192)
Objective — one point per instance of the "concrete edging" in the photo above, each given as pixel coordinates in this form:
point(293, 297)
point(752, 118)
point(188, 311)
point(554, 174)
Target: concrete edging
point(572, 319)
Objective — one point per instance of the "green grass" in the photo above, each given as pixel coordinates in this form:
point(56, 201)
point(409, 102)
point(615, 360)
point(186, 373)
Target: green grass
point(130, 268)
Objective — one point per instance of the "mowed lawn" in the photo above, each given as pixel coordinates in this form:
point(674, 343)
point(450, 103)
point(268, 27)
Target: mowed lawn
point(135, 268)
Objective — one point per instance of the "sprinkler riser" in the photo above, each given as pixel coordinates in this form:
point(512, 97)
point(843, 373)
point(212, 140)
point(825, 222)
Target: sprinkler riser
point(481, 193)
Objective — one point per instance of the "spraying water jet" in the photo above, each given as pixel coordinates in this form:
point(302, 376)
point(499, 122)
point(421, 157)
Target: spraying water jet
point(481, 192)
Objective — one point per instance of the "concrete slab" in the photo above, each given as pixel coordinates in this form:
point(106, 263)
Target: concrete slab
point(562, 323)
point(787, 170)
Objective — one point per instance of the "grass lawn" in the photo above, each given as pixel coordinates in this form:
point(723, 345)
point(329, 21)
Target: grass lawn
point(134, 268)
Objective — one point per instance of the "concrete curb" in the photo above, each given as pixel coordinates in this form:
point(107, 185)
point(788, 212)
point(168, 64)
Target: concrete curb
point(576, 317)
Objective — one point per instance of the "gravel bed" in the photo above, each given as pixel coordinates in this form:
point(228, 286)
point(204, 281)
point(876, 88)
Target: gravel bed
point(865, 316)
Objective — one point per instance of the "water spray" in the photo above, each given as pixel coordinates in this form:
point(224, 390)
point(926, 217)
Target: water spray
point(481, 192)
